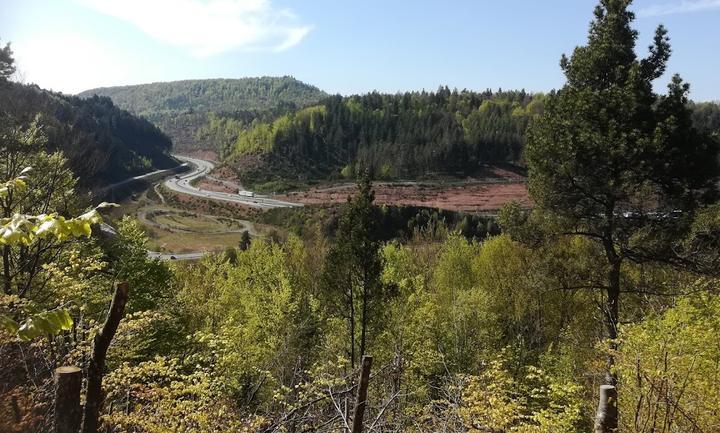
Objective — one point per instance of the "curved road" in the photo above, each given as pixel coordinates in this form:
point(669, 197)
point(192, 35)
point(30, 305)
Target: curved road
point(183, 184)
point(141, 177)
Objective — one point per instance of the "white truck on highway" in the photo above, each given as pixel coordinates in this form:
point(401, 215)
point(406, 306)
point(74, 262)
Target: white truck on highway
point(244, 193)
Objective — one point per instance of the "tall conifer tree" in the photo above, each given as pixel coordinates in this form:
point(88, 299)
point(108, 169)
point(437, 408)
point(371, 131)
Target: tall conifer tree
point(615, 162)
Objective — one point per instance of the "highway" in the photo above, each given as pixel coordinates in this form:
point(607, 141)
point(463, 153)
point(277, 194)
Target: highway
point(141, 177)
point(183, 184)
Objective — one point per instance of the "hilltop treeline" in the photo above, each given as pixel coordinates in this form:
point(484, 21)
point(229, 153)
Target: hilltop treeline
point(406, 135)
point(706, 117)
point(401, 135)
point(180, 108)
point(102, 142)
point(279, 128)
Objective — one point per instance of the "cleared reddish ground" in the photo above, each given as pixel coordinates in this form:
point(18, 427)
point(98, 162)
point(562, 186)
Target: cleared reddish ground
point(468, 197)
point(213, 185)
point(486, 193)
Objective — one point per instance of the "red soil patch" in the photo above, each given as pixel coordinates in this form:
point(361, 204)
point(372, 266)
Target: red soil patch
point(225, 173)
point(213, 185)
point(468, 197)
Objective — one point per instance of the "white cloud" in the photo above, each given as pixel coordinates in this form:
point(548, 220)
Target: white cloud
point(684, 6)
point(68, 63)
point(209, 27)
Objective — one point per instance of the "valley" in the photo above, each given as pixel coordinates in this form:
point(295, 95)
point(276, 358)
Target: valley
point(356, 253)
point(177, 232)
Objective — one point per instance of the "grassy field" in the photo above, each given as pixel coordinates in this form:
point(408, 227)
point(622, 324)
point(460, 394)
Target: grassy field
point(168, 241)
point(195, 223)
point(173, 229)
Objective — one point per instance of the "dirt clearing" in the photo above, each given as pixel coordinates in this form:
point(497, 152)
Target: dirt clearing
point(466, 197)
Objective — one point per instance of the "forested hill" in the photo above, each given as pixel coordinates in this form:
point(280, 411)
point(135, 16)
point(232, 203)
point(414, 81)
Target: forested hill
point(179, 108)
point(103, 143)
point(405, 135)
point(398, 135)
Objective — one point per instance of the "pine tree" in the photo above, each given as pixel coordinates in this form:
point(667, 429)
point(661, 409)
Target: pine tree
point(613, 161)
point(353, 268)
point(245, 241)
point(7, 63)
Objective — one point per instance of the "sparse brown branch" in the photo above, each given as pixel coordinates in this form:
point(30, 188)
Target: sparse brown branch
point(96, 366)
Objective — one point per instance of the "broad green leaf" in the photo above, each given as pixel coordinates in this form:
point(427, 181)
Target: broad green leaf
point(43, 324)
point(29, 331)
point(59, 319)
point(9, 325)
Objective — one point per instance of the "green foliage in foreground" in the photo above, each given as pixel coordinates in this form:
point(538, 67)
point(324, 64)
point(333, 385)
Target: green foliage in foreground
point(24, 231)
point(669, 368)
point(467, 336)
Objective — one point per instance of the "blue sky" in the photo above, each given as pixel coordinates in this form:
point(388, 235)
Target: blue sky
point(341, 46)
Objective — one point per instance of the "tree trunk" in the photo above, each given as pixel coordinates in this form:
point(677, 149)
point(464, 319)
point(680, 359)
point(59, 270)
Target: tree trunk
point(363, 321)
point(361, 399)
point(606, 419)
point(68, 413)
point(101, 343)
point(611, 318)
point(351, 304)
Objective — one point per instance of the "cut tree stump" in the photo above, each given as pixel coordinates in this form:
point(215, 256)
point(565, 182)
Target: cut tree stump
point(68, 414)
point(606, 419)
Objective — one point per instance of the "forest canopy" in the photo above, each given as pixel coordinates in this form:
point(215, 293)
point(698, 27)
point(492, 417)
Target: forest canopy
point(102, 142)
point(180, 108)
point(401, 135)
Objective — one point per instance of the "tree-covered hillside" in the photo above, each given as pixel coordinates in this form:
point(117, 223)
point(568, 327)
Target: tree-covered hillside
point(400, 135)
point(102, 142)
point(179, 108)
point(278, 128)
point(404, 135)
